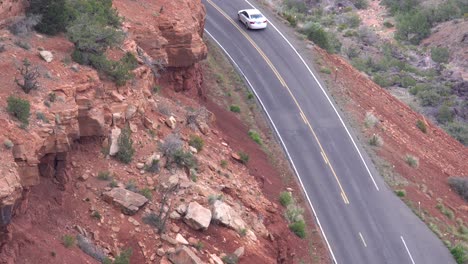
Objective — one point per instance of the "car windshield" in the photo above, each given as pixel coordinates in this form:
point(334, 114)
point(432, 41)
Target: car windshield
point(255, 16)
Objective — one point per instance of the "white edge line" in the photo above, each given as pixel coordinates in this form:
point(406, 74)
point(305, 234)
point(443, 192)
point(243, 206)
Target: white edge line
point(328, 98)
point(362, 238)
point(282, 143)
point(407, 250)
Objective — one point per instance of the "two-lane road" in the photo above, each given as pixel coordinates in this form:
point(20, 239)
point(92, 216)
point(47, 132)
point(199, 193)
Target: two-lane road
point(361, 220)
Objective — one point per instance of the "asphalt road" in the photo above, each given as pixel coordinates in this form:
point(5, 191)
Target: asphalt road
point(361, 219)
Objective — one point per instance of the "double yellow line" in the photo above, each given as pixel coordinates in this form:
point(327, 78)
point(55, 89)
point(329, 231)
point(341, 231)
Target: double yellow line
point(281, 80)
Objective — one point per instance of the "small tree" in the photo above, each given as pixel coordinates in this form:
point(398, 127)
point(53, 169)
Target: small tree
point(29, 77)
point(440, 55)
point(126, 150)
point(159, 219)
point(412, 27)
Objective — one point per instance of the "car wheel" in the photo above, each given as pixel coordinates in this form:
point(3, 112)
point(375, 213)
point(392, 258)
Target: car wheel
point(238, 17)
point(246, 25)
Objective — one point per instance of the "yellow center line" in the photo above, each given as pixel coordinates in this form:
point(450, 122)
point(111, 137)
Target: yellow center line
point(281, 80)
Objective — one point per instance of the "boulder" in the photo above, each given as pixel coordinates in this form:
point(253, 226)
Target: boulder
point(227, 216)
point(184, 255)
point(171, 122)
point(114, 141)
point(130, 111)
point(239, 252)
point(46, 55)
point(181, 240)
point(128, 201)
point(197, 216)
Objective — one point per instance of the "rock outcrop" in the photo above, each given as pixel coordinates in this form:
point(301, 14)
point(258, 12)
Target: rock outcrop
point(184, 255)
point(197, 216)
point(227, 216)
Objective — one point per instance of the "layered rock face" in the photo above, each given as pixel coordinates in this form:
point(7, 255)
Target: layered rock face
point(171, 33)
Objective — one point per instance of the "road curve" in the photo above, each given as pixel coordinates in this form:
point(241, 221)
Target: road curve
point(361, 219)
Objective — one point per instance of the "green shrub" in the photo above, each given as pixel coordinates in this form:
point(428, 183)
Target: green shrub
point(96, 215)
point(146, 192)
point(361, 4)
point(459, 131)
point(440, 55)
point(382, 80)
point(19, 108)
point(123, 257)
point(8, 144)
point(370, 120)
point(255, 137)
point(412, 160)
point(68, 241)
point(244, 157)
point(113, 183)
point(446, 211)
point(298, 228)
point(184, 159)
point(400, 193)
point(42, 117)
point(318, 35)
point(196, 142)
point(459, 253)
point(104, 176)
point(444, 114)
point(388, 24)
point(429, 97)
point(230, 259)
point(294, 213)
point(460, 185)
point(353, 20)
point(54, 15)
point(131, 186)
point(422, 126)
point(376, 140)
point(223, 163)
point(154, 167)
point(285, 198)
point(408, 81)
point(412, 27)
point(250, 95)
point(235, 108)
point(325, 70)
point(126, 150)
point(296, 5)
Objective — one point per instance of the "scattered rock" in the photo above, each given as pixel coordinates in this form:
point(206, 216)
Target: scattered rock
point(160, 252)
point(184, 255)
point(181, 209)
point(128, 201)
point(197, 217)
point(193, 241)
point(227, 216)
point(236, 156)
point(171, 122)
point(216, 259)
point(193, 150)
point(130, 112)
point(179, 238)
point(133, 221)
point(117, 97)
point(150, 159)
point(83, 177)
point(46, 55)
point(140, 165)
point(175, 215)
point(239, 252)
point(175, 228)
point(169, 239)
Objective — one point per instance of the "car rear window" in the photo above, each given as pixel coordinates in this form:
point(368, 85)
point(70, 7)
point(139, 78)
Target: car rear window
point(256, 16)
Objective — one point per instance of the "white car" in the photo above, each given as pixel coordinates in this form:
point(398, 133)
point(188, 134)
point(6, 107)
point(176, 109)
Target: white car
point(252, 19)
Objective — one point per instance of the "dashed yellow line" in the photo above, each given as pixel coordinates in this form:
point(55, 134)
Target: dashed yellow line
point(281, 80)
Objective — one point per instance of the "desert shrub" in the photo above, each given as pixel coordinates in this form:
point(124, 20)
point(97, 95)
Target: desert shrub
point(8, 144)
point(146, 192)
point(400, 193)
point(440, 55)
point(352, 52)
point(104, 176)
point(388, 24)
point(131, 186)
point(171, 144)
point(42, 117)
point(230, 259)
point(298, 228)
point(459, 131)
point(444, 114)
point(294, 213)
point(325, 70)
point(23, 44)
point(429, 97)
point(255, 137)
point(126, 150)
point(318, 35)
point(153, 168)
point(366, 35)
point(113, 183)
point(421, 125)
point(223, 163)
point(460, 185)
point(97, 215)
point(29, 75)
point(408, 81)
point(459, 253)
point(54, 15)
point(19, 108)
point(376, 140)
point(285, 198)
point(244, 157)
point(370, 120)
point(412, 27)
point(24, 25)
point(412, 160)
point(361, 4)
point(353, 20)
point(296, 5)
point(196, 142)
point(235, 108)
point(382, 80)
point(446, 211)
point(123, 257)
point(68, 241)
point(184, 159)
point(399, 6)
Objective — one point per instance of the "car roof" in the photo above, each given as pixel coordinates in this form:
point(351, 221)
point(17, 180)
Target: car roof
point(252, 11)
